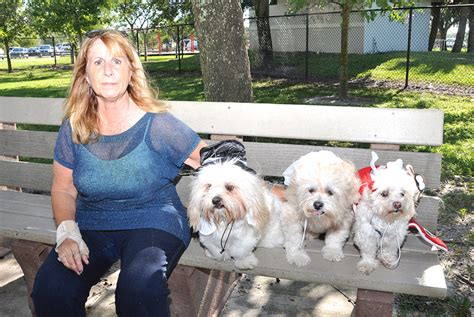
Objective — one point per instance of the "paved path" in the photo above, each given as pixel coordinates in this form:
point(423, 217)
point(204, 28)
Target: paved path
point(253, 296)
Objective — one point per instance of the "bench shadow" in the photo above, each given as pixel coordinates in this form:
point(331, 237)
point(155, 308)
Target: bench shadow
point(264, 296)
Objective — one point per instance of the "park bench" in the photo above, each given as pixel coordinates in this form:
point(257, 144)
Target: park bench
point(200, 286)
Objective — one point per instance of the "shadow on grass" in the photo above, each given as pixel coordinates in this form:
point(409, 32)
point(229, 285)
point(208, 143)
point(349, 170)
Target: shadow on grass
point(31, 74)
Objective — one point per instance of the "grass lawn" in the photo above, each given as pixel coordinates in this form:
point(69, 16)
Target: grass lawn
point(425, 67)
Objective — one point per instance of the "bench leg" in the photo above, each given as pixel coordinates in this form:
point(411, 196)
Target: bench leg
point(373, 303)
point(30, 255)
point(200, 292)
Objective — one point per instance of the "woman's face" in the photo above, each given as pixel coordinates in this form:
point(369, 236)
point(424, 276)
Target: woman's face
point(108, 75)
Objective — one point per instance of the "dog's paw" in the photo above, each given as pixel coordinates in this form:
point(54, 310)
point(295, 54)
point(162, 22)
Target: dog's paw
point(390, 261)
point(246, 263)
point(218, 257)
point(367, 265)
point(332, 254)
point(298, 257)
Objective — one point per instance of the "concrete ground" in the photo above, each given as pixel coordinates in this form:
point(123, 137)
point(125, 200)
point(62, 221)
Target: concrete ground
point(253, 296)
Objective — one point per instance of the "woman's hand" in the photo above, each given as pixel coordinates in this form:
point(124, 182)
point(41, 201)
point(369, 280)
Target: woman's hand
point(70, 255)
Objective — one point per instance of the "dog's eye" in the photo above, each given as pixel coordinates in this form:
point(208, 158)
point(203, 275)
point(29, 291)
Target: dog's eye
point(385, 193)
point(229, 187)
point(311, 190)
point(330, 193)
point(402, 194)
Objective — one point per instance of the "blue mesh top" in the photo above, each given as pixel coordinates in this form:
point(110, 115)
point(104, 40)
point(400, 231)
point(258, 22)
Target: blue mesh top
point(124, 181)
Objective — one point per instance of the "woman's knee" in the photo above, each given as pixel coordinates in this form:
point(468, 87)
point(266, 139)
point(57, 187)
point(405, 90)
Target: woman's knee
point(144, 294)
point(57, 292)
point(54, 297)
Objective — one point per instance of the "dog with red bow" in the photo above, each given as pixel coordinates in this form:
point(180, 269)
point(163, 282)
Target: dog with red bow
point(232, 208)
point(383, 213)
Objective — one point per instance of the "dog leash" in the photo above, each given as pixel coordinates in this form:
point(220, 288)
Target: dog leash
point(398, 244)
point(304, 232)
point(223, 234)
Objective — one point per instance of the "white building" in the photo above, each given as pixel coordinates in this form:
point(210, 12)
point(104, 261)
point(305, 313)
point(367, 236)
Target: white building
point(324, 32)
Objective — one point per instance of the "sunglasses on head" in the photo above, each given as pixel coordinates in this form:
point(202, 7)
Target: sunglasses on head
point(96, 33)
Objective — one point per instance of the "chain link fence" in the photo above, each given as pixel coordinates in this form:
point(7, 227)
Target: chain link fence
point(394, 48)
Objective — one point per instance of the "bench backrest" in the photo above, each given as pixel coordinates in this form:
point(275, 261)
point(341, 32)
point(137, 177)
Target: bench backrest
point(273, 126)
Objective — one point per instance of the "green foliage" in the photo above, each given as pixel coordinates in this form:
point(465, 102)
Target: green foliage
point(151, 13)
point(71, 18)
point(12, 20)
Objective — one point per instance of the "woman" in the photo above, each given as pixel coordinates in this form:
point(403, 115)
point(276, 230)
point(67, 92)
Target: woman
point(116, 155)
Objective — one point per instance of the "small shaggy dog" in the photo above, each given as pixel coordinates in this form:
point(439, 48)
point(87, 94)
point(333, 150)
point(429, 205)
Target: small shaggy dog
point(321, 190)
point(234, 212)
point(382, 215)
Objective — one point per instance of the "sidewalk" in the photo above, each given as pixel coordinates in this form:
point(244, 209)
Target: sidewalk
point(253, 296)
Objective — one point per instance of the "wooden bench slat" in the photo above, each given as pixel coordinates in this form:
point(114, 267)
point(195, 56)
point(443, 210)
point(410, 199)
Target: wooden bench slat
point(393, 126)
point(27, 143)
point(26, 175)
point(273, 159)
point(404, 279)
point(267, 158)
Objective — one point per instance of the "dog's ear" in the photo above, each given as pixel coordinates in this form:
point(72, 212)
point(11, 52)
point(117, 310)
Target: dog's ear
point(194, 217)
point(194, 206)
point(258, 214)
point(353, 181)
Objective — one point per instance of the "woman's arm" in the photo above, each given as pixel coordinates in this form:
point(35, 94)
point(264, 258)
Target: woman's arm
point(63, 199)
point(63, 194)
point(194, 160)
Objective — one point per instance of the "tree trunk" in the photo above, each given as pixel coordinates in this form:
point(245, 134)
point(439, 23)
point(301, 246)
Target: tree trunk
point(470, 39)
point(346, 11)
point(262, 10)
point(461, 29)
point(223, 51)
point(442, 34)
point(436, 14)
point(9, 61)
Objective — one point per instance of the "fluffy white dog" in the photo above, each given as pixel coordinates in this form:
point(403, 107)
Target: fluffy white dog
point(321, 190)
point(382, 215)
point(233, 212)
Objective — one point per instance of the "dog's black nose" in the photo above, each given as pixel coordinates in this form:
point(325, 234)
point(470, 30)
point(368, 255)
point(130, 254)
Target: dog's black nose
point(397, 205)
point(318, 205)
point(217, 201)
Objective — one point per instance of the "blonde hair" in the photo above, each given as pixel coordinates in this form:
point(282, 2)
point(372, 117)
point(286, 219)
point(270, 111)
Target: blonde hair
point(81, 104)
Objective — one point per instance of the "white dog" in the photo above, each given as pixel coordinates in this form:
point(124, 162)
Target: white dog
point(382, 215)
point(233, 212)
point(321, 190)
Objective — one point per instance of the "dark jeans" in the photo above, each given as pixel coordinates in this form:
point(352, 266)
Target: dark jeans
point(147, 256)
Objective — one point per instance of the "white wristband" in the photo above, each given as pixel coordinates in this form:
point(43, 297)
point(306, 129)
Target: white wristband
point(70, 229)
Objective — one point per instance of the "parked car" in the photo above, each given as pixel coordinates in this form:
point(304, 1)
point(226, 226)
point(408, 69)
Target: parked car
point(19, 52)
point(2, 54)
point(46, 50)
point(63, 48)
point(33, 51)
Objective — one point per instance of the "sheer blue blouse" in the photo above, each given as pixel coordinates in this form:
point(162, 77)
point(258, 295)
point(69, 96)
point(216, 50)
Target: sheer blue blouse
point(125, 181)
